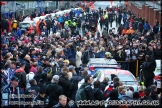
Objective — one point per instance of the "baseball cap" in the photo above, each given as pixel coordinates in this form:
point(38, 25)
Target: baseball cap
point(55, 78)
point(71, 67)
point(22, 64)
point(34, 57)
point(66, 61)
point(14, 79)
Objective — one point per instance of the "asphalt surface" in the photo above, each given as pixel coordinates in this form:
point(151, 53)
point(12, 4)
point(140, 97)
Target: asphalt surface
point(103, 5)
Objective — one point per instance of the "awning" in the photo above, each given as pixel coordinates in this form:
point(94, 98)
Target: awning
point(3, 3)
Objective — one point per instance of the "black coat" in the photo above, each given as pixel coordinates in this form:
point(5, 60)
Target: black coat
point(154, 96)
point(37, 76)
point(157, 54)
point(55, 91)
point(98, 94)
point(27, 66)
point(103, 85)
point(65, 84)
point(4, 25)
point(147, 99)
point(34, 89)
point(148, 69)
point(43, 105)
point(74, 86)
point(72, 90)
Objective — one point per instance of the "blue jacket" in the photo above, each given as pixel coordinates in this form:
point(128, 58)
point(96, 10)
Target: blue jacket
point(60, 106)
point(60, 19)
point(124, 16)
point(102, 54)
point(146, 26)
point(19, 33)
point(126, 24)
point(71, 54)
point(44, 30)
point(54, 29)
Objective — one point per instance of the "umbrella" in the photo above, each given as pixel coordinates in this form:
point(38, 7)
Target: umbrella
point(3, 3)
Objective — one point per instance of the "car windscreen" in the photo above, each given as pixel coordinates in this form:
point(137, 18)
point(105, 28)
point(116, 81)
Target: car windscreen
point(103, 62)
point(24, 25)
point(124, 78)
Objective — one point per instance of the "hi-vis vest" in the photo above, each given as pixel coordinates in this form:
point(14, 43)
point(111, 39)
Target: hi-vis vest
point(66, 23)
point(74, 23)
point(105, 16)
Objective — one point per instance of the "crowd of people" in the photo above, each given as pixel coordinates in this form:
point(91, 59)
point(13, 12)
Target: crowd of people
point(49, 65)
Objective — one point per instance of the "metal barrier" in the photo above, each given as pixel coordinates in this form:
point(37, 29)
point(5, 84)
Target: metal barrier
point(133, 66)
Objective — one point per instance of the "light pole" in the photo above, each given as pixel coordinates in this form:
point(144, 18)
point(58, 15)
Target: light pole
point(22, 8)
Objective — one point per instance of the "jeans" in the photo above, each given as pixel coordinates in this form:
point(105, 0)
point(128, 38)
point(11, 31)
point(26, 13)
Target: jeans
point(14, 30)
point(77, 70)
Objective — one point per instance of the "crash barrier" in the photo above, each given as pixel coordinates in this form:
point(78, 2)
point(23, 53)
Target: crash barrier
point(133, 66)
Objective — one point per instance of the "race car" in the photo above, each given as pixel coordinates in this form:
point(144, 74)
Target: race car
point(125, 76)
point(157, 72)
point(95, 64)
point(29, 26)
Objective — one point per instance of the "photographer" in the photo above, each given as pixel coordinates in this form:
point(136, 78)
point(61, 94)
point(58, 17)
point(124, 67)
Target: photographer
point(148, 68)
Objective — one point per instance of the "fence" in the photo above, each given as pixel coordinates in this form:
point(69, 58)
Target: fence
point(132, 66)
point(25, 7)
point(68, 4)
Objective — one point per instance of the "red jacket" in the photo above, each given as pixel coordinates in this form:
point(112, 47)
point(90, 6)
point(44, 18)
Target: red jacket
point(141, 94)
point(9, 25)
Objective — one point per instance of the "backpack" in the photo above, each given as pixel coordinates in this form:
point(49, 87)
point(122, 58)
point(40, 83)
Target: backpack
point(48, 70)
point(14, 25)
point(81, 93)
